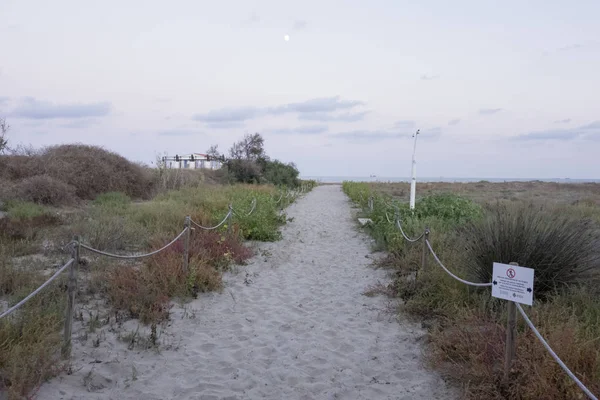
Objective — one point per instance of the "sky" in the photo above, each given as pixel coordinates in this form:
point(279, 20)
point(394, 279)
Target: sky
point(496, 89)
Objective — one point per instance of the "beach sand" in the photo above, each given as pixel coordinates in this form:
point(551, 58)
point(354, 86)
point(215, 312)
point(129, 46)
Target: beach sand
point(293, 324)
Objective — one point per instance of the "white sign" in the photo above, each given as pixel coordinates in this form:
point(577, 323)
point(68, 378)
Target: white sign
point(510, 282)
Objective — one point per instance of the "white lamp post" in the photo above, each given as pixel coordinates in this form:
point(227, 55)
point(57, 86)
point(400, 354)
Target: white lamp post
point(413, 182)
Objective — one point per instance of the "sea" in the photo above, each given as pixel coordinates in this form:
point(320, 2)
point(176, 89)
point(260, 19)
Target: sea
point(340, 179)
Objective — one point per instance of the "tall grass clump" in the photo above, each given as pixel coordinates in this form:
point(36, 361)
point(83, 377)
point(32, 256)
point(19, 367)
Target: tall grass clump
point(30, 337)
point(562, 250)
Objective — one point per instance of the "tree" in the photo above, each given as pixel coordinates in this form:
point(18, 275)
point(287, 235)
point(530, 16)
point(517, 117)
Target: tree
point(250, 148)
point(213, 152)
point(4, 127)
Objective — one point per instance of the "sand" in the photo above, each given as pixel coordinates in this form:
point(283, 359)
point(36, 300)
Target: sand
point(292, 324)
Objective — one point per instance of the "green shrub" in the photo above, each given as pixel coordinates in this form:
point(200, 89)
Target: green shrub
point(281, 174)
point(563, 250)
point(113, 200)
point(25, 210)
point(448, 207)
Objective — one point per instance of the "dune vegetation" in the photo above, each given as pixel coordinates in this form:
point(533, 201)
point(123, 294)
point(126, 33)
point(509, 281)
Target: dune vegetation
point(553, 228)
point(50, 196)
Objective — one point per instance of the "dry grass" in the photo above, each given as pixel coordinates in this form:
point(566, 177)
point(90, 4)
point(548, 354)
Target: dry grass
point(466, 325)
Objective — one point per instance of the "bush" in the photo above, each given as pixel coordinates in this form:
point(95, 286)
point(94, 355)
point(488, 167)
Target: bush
point(244, 171)
point(448, 207)
point(25, 210)
point(93, 170)
point(281, 174)
point(44, 189)
point(563, 250)
point(112, 200)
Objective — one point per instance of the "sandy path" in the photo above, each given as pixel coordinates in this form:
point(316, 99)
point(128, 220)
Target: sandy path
point(293, 324)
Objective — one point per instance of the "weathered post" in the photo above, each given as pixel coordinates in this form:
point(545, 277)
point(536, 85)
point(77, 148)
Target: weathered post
point(511, 335)
point(425, 249)
point(186, 245)
point(229, 217)
point(71, 287)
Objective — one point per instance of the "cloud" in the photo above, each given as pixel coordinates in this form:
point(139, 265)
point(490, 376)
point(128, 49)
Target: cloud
point(429, 77)
point(79, 124)
point(408, 124)
point(229, 115)
point(225, 125)
point(361, 136)
point(4, 99)
point(317, 106)
point(325, 117)
point(575, 46)
point(589, 131)
point(430, 133)
point(30, 108)
point(323, 104)
point(591, 126)
point(454, 122)
point(490, 111)
point(180, 132)
point(563, 121)
point(252, 19)
point(302, 130)
point(299, 25)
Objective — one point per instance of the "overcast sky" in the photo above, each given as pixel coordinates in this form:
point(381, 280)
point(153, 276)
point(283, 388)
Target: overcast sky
point(498, 89)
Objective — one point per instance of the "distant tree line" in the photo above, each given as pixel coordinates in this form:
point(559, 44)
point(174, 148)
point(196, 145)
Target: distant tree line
point(249, 163)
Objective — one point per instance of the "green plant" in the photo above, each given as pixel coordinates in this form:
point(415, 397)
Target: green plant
point(25, 210)
point(112, 200)
point(561, 249)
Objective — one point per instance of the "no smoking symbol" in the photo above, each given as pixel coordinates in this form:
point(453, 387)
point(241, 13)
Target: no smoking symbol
point(511, 273)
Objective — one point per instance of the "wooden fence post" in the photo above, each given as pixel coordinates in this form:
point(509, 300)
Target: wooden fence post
point(229, 219)
point(511, 335)
point(425, 249)
point(186, 244)
point(71, 287)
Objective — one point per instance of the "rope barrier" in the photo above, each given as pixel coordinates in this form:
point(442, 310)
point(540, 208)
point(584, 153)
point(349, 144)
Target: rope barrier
point(553, 354)
point(521, 311)
point(212, 227)
point(280, 197)
point(450, 273)
point(36, 291)
point(388, 218)
point(404, 234)
point(253, 207)
point(136, 256)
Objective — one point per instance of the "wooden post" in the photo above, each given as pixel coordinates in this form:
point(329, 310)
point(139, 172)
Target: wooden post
point(72, 285)
point(229, 219)
point(425, 249)
point(511, 335)
point(186, 244)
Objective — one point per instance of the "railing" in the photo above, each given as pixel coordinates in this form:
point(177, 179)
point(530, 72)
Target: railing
point(510, 345)
point(76, 246)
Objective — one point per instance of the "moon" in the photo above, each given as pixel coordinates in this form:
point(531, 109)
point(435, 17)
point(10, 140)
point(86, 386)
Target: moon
point(286, 38)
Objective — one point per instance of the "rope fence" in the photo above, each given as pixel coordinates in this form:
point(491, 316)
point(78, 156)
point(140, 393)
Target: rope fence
point(510, 350)
point(76, 245)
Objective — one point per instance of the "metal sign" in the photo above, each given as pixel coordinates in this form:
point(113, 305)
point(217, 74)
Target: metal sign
point(514, 283)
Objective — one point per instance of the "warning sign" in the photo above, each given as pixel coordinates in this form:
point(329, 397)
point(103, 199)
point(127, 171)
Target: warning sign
point(510, 282)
